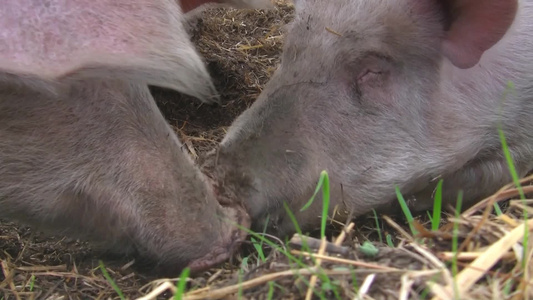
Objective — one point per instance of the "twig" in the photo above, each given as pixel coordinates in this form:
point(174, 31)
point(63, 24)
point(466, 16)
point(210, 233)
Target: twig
point(297, 242)
point(398, 228)
point(347, 261)
point(318, 261)
point(365, 286)
point(8, 274)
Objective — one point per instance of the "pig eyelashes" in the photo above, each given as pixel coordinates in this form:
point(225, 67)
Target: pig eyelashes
point(369, 74)
point(370, 77)
point(370, 68)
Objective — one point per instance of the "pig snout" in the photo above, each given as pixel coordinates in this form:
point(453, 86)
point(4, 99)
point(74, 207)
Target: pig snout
point(234, 215)
point(396, 95)
point(229, 240)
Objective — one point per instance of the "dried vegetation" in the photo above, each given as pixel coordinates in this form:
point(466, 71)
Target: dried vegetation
point(242, 49)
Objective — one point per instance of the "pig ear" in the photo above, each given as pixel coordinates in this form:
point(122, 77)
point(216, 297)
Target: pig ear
point(475, 27)
point(188, 5)
point(65, 41)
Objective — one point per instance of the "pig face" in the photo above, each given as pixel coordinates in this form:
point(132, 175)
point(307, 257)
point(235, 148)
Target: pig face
point(376, 93)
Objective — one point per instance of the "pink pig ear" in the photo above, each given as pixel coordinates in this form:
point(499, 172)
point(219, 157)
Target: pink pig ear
point(58, 42)
point(476, 25)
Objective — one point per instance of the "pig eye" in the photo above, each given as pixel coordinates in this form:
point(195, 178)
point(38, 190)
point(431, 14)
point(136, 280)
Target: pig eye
point(372, 71)
point(367, 72)
point(368, 75)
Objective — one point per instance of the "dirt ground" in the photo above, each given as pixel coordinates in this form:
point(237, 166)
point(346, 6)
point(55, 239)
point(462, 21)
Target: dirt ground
point(242, 48)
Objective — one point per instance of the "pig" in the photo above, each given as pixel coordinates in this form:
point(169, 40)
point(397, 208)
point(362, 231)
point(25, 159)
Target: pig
point(384, 94)
point(85, 151)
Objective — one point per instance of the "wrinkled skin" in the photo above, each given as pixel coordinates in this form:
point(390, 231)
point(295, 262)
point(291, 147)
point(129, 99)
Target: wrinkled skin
point(383, 93)
point(85, 151)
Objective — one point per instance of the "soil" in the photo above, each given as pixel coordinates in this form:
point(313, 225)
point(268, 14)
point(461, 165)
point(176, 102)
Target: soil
point(242, 49)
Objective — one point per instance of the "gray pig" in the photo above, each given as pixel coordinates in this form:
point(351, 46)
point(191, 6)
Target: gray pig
point(85, 151)
point(382, 93)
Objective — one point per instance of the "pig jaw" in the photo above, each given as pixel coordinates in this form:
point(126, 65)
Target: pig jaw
point(195, 236)
point(211, 245)
point(229, 243)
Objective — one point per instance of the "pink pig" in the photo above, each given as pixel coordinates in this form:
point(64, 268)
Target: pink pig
point(85, 151)
point(385, 93)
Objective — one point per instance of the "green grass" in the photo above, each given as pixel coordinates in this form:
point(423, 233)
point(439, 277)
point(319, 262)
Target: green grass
point(258, 245)
point(516, 181)
point(369, 249)
point(270, 294)
point(244, 263)
point(508, 286)
point(354, 281)
point(497, 209)
point(435, 218)
point(182, 283)
point(292, 217)
point(111, 281)
point(323, 183)
point(406, 211)
point(378, 228)
point(437, 207)
point(289, 256)
point(389, 241)
point(259, 249)
point(455, 242)
point(32, 282)
point(327, 285)
point(510, 164)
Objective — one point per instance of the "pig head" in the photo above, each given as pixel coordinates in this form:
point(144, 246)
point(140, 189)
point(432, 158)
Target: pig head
point(85, 151)
point(381, 94)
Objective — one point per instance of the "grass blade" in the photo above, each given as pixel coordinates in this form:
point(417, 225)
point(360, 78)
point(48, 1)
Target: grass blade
point(406, 211)
point(317, 189)
point(325, 198)
point(110, 280)
point(516, 180)
point(181, 284)
point(377, 226)
point(437, 207)
point(455, 241)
